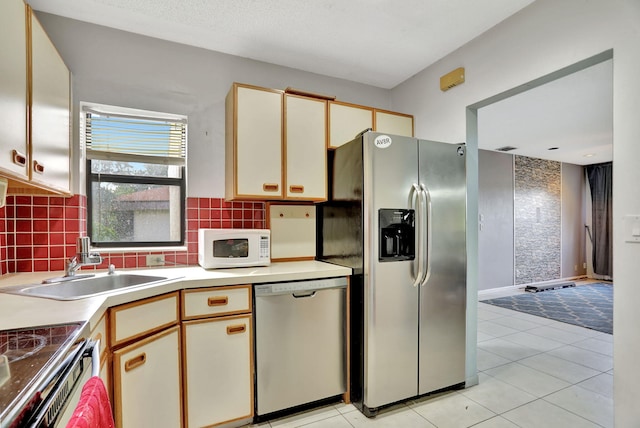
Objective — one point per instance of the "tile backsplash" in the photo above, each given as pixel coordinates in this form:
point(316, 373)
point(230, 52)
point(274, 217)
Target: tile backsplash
point(38, 233)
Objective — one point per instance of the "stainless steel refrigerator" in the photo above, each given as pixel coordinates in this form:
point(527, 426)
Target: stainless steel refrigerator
point(397, 216)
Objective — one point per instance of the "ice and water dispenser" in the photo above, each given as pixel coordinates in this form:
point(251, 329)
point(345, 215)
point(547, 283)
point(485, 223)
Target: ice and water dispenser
point(397, 235)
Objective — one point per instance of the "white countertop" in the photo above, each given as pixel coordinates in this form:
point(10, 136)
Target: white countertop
point(18, 311)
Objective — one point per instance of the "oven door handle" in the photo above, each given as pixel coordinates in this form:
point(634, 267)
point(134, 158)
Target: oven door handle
point(95, 357)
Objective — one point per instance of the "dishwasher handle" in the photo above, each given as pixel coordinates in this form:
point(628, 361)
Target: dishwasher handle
point(303, 295)
point(303, 288)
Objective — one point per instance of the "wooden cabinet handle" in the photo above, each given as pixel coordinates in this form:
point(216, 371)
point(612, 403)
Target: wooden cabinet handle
point(236, 329)
point(218, 301)
point(294, 188)
point(38, 167)
point(135, 362)
point(270, 187)
point(18, 158)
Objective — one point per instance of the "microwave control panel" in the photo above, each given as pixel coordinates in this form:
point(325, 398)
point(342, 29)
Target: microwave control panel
point(264, 247)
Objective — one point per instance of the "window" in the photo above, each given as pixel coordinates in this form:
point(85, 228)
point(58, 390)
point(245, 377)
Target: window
point(135, 176)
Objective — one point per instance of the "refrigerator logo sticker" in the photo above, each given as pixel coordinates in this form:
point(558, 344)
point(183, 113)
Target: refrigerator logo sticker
point(382, 141)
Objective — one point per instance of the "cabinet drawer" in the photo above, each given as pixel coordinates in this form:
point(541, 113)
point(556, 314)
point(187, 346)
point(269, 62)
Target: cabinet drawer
point(216, 301)
point(143, 317)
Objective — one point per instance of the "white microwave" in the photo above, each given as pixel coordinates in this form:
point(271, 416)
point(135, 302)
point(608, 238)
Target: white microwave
point(227, 248)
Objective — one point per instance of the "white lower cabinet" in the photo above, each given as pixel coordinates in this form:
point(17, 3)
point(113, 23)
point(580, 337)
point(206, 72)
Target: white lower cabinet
point(217, 371)
point(147, 382)
point(183, 359)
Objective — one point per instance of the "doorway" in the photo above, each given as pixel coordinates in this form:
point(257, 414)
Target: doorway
point(532, 195)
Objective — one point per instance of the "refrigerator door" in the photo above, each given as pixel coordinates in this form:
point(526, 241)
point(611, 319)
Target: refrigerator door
point(390, 299)
point(443, 294)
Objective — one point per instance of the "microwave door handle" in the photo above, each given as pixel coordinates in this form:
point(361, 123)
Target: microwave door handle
point(415, 195)
point(428, 226)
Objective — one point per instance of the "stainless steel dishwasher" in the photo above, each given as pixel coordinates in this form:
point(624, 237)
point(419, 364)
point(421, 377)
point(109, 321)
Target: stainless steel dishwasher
point(300, 342)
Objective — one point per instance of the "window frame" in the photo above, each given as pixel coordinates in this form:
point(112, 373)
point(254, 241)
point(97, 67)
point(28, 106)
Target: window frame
point(130, 179)
point(92, 178)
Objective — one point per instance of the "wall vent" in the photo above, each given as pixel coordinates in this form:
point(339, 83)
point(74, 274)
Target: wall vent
point(451, 79)
point(506, 148)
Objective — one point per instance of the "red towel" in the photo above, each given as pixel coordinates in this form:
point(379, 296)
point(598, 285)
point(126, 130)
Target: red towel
point(93, 409)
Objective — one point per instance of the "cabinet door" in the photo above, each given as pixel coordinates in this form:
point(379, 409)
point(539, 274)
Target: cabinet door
point(147, 382)
point(306, 148)
point(254, 143)
point(13, 89)
point(218, 373)
point(293, 231)
point(393, 123)
point(346, 121)
point(50, 113)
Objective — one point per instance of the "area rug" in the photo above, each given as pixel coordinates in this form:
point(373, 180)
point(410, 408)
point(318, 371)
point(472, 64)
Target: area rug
point(589, 305)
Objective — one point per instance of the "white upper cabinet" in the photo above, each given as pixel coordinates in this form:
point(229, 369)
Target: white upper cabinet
point(35, 119)
point(276, 141)
point(393, 123)
point(275, 145)
point(50, 113)
point(253, 151)
point(13, 90)
point(305, 148)
point(346, 121)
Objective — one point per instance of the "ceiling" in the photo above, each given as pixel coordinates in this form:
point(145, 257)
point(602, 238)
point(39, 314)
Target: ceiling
point(572, 116)
point(375, 42)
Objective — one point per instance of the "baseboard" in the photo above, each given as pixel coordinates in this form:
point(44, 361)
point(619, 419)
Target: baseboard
point(484, 294)
point(487, 293)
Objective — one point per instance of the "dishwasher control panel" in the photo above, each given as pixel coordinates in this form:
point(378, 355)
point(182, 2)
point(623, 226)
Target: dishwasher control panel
point(297, 286)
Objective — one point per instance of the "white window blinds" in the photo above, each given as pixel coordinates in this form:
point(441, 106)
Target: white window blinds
point(134, 136)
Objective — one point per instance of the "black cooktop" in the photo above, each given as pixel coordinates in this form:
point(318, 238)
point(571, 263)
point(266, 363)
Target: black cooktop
point(32, 354)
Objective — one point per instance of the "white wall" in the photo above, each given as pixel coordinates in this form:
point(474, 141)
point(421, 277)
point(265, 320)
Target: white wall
point(544, 37)
point(496, 208)
point(573, 221)
point(120, 68)
point(496, 213)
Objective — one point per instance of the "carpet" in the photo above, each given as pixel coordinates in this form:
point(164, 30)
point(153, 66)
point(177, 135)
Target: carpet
point(589, 305)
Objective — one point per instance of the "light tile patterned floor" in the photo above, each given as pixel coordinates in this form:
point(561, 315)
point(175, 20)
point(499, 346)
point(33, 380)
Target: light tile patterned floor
point(534, 372)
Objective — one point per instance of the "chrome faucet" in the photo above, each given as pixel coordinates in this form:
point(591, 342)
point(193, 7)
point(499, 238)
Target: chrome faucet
point(83, 256)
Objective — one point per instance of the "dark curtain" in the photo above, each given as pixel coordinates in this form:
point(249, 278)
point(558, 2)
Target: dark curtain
point(600, 182)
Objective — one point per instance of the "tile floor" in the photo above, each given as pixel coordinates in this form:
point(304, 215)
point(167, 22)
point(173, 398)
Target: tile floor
point(534, 372)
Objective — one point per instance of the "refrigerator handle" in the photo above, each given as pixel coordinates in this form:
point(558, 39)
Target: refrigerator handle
point(416, 193)
point(428, 226)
